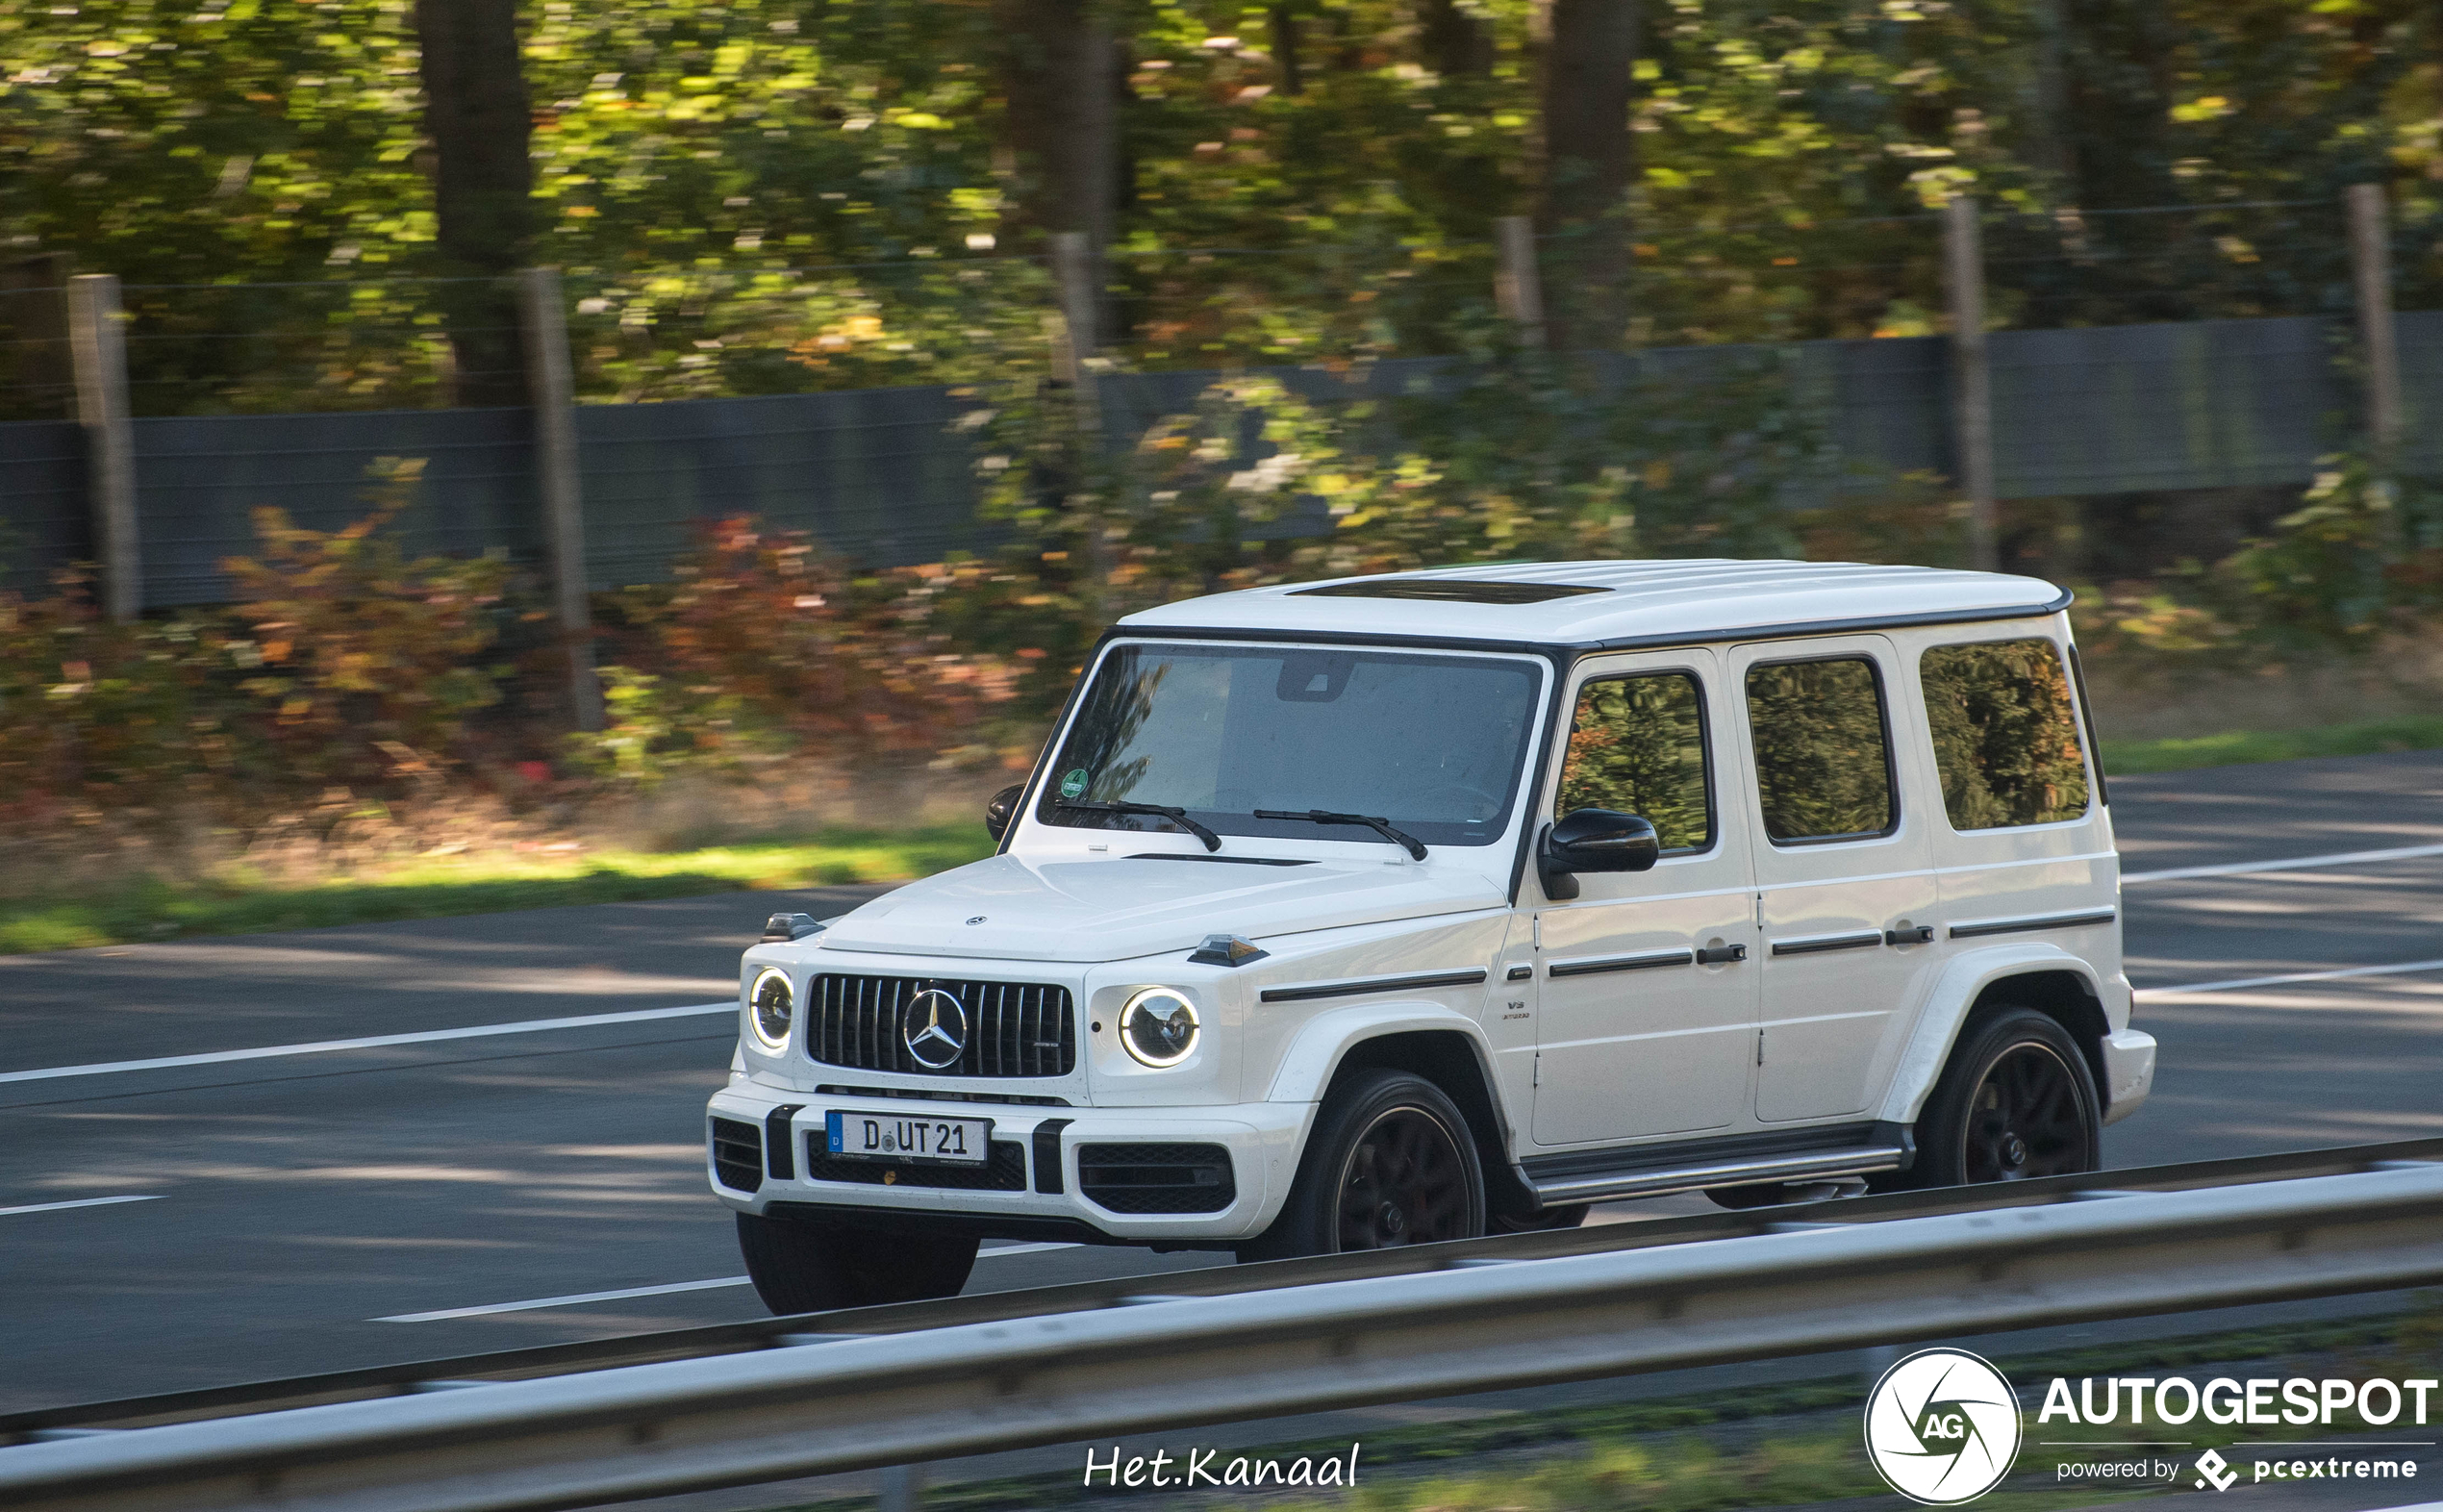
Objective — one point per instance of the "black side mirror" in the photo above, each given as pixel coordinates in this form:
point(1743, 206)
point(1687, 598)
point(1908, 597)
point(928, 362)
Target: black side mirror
point(1593, 840)
point(1003, 808)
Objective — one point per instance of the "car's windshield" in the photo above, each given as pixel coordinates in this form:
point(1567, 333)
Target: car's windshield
point(1432, 744)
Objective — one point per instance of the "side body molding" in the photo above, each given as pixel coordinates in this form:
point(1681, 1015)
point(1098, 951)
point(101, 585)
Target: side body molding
point(1955, 992)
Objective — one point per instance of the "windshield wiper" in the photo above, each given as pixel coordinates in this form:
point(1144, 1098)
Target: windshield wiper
point(1415, 847)
point(1178, 816)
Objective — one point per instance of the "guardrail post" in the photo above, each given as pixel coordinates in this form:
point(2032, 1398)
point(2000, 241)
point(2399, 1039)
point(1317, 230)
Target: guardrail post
point(2371, 270)
point(1972, 379)
point(97, 346)
point(549, 391)
point(1518, 290)
point(902, 1489)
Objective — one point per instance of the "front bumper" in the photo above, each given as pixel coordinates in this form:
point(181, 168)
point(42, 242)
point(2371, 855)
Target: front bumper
point(2129, 1072)
point(1035, 1187)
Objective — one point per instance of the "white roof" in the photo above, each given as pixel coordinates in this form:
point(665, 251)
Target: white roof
point(1633, 602)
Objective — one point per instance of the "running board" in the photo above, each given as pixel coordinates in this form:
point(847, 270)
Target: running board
point(1818, 1165)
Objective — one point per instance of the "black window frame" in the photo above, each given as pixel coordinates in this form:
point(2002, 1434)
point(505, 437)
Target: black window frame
point(1704, 736)
point(2074, 679)
point(1891, 762)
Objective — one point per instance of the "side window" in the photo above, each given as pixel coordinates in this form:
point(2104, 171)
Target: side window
point(1823, 763)
point(2005, 734)
point(1637, 744)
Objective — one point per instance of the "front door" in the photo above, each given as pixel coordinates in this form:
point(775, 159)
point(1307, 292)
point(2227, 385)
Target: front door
point(1647, 1017)
point(1843, 865)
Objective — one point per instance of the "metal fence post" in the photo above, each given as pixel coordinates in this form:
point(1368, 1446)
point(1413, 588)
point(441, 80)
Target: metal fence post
point(1972, 379)
point(902, 1489)
point(549, 388)
point(2371, 269)
point(1518, 290)
point(97, 346)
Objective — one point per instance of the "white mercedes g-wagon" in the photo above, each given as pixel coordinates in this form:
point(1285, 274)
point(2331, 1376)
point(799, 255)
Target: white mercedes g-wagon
point(1410, 908)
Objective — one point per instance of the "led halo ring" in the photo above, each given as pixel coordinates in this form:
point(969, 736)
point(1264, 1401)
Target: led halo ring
point(762, 1006)
point(1167, 1019)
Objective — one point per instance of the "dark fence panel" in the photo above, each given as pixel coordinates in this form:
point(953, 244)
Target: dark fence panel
point(198, 481)
point(887, 475)
point(44, 523)
point(2207, 404)
point(877, 473)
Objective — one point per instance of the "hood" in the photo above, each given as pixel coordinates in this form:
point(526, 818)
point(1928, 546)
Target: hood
point(1113, 910)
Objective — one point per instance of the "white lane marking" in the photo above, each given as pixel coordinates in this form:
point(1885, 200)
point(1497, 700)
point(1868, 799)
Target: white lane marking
point(52, 1207)
point(2235, 984)
point(369, 1042)
point(566, 1302)
point(633, 1291)
point(2341, 858)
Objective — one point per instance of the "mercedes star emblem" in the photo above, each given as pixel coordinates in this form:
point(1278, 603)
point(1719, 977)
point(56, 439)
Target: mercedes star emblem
point(935, 1029)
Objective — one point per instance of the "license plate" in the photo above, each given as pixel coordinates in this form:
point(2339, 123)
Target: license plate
point(897, 1137)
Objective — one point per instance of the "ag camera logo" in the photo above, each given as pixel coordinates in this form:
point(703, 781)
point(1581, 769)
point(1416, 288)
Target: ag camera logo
point(1942, 1427)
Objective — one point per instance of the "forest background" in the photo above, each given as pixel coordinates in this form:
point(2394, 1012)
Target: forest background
point(317, 204)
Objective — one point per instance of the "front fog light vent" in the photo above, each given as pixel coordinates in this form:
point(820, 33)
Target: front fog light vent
point(738, 1155)
point(1159, 1027)
point(772, 1005)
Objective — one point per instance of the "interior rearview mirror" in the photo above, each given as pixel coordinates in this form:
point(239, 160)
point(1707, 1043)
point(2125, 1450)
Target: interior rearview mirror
point(1003, 808)
point(1593, 840)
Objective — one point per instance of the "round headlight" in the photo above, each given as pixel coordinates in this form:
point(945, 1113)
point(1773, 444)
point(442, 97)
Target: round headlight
point(771, 1005)
point(1158, 1026)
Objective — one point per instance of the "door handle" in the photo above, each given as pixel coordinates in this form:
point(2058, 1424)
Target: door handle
point(1913, 934)
point(1717, 955)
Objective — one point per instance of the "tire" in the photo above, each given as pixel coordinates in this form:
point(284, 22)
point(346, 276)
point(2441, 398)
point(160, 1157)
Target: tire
point(817, 1267)
point(2015, 1101)
point(1550, 1219)
point(1761, 1194)
point(1391, 1161)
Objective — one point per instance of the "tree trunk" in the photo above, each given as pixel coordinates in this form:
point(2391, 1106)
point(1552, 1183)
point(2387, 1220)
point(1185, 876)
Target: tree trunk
point(476, 113)
point(1286, 43)
point(1589, 160)
point(1451, 42)
point(1060, 120)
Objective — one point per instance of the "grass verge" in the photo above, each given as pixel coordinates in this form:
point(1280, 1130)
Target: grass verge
point(436, 887)
point(2414, 732)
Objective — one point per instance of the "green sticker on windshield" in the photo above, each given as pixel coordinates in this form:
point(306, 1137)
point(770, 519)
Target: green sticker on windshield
point(1073, 785)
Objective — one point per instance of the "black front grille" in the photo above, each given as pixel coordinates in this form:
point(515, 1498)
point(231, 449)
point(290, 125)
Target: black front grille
point(1013, 1028)
point(738, 1155)
point(1156, 1178)
point(1003, 1170)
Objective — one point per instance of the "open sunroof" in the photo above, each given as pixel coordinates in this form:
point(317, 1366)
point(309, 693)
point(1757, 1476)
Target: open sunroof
point(1449, 590)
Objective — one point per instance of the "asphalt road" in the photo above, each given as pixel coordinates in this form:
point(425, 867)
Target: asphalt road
point(292, 1202)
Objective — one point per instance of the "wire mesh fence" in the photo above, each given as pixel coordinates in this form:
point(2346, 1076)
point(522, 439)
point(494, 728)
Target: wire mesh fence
point(2175, 347)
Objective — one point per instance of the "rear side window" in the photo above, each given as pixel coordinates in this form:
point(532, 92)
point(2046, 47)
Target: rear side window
point(1637, 744)
point(2005, 734)
point(1824, 762)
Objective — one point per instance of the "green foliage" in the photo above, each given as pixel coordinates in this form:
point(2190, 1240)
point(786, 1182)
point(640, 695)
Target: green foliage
point(2362, 738)
point(229, 901)
point(766, 648)
point(2005, 734)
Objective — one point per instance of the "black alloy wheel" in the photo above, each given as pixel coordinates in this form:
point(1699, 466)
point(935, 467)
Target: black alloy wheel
point(2015, 1102)
point(1391, 1160)
point(2026, 1120)
point(1402, 1184)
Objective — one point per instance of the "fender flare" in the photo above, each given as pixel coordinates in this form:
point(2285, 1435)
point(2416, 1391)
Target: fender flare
point(1947, 1006)
point(1305, 1069)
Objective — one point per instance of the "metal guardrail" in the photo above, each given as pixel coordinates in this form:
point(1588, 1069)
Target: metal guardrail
point(1483, 1321)
point(721, 1339)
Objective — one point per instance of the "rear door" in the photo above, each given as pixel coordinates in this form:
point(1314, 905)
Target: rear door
point(1636, 1035)
point(1844, 887)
